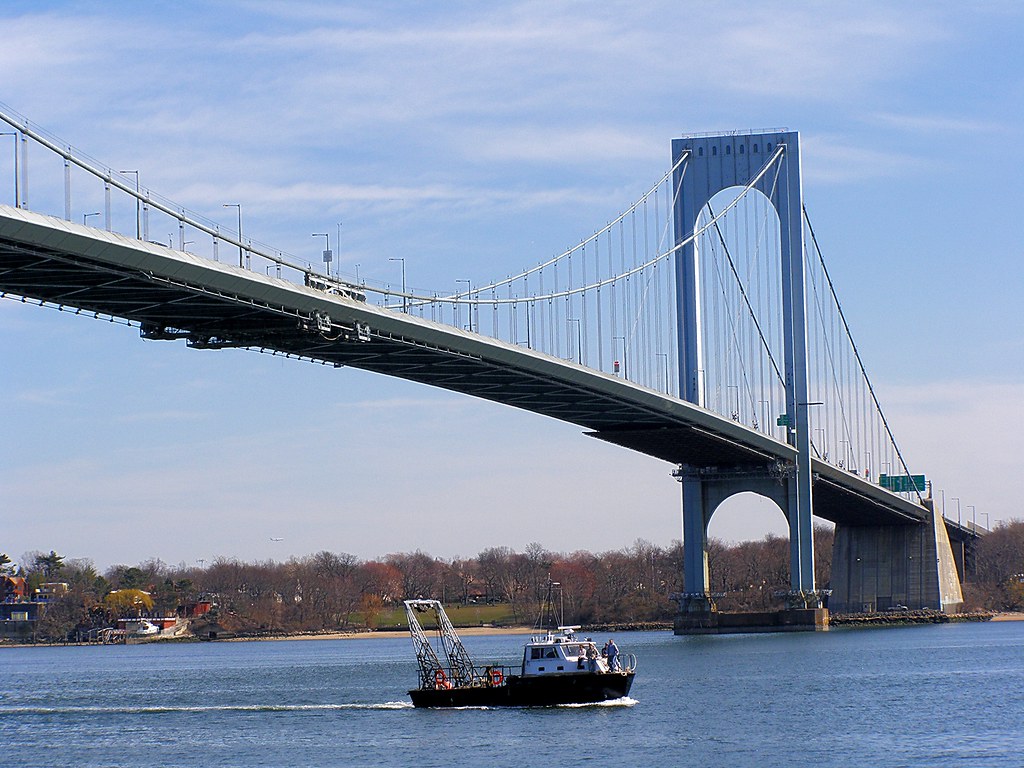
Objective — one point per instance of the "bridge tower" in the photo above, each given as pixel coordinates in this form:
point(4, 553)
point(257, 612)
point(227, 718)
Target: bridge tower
point(712, 164)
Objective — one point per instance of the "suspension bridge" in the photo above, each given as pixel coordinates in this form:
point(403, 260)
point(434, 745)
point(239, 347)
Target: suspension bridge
point(701, 326)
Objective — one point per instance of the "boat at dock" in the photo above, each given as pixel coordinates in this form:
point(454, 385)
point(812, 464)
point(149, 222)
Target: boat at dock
point(557, 668)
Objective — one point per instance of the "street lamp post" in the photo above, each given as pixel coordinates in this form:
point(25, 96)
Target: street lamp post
point(405, 299)
point(328, 256)
point(987, 524)
point(665, 355)
point(974, 515)
point(85, 217)
point(957, 500)
point(821, 445)
point(239, 207)
point(17, 198)
point(579, 338)
point(138, 206)
point(337, 268)
point(469, 307)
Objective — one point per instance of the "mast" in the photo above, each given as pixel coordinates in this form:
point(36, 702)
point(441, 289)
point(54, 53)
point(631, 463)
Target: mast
point(549, 618)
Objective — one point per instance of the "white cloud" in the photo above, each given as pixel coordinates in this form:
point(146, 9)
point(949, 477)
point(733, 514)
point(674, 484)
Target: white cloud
point(934, 124)
point(830, 159)
point(967, 436)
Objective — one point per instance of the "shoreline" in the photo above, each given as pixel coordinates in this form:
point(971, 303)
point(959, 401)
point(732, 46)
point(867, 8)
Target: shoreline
point(390, 634)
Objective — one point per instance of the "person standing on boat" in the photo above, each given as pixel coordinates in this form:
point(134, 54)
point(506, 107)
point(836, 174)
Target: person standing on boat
point(613, 655)
point(592, 655)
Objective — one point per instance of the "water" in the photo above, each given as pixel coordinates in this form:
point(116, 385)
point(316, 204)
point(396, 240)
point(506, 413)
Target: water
point(949, 695)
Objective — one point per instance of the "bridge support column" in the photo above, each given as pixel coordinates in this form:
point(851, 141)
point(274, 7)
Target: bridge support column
point(704, 489)
point(881, 567)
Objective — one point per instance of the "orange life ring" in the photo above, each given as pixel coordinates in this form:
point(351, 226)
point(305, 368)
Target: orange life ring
point(495, 676)
point(441, 680)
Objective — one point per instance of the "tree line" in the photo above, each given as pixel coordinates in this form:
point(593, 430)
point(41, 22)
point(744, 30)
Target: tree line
point(338, 591)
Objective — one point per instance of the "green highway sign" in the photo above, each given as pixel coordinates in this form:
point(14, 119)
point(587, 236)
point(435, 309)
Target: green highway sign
point(783, 420)
point(902, 483)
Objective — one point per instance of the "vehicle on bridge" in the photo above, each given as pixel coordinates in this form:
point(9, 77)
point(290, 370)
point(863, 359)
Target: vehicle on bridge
point(557, 668)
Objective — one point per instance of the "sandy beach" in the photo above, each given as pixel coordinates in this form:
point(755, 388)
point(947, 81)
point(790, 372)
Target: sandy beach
point(1009, 616)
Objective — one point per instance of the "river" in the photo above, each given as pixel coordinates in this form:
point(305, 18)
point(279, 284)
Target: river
point(940, 695)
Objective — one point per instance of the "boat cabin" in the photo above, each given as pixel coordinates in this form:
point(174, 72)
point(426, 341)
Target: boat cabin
point(561, 652)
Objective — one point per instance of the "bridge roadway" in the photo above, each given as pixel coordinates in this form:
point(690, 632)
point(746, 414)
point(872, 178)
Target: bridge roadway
point(177, 295)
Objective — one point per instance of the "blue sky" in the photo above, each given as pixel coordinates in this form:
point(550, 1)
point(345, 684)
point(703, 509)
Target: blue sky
point(474, 140)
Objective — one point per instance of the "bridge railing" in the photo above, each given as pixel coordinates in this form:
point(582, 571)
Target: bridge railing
point(123, 205)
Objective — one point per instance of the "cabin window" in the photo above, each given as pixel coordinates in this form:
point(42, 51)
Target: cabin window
point(741, 149)
point(755, 149)
point(714, 151)
point(552, 653)
point(768, 147)
point(700, 151)
point(728, 150)
point(536, 653)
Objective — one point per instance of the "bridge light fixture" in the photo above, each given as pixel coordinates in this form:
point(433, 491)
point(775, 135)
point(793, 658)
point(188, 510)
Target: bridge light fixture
point(85, 217)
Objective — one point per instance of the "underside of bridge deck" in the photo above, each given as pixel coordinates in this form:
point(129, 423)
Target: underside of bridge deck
point(167, 310)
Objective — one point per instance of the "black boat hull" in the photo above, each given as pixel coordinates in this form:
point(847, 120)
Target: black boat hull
point(532, 691)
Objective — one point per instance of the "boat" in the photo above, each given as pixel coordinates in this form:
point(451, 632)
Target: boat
point(557, 668)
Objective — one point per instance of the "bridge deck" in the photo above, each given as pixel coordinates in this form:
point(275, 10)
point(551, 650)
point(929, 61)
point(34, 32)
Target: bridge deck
point(172, 294)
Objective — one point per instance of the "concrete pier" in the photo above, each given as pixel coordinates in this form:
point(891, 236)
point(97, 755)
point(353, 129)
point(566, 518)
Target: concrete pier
point(882, 567)
point(721, 623)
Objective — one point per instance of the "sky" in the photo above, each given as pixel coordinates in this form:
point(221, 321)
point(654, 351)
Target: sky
point(474, 140)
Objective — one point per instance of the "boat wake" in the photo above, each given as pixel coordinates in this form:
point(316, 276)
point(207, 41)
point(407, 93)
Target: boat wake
point(625, 701)
point(158, 710)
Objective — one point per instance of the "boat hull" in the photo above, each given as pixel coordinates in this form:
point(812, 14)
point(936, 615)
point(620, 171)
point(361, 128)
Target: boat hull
point(531, 691)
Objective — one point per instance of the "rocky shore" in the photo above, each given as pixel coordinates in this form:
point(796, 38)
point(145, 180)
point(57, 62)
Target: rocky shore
point(902, 618)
